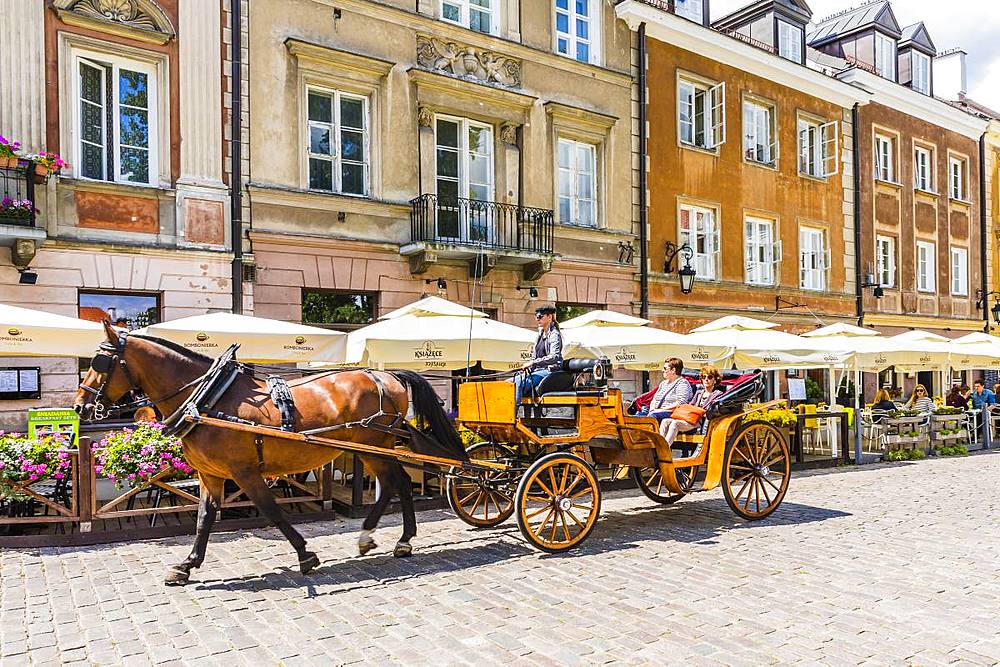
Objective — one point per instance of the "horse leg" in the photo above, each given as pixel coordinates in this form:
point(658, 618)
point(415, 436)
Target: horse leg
point(208, 507)
point(253, 485)
point(403, 547)
point(384, 475)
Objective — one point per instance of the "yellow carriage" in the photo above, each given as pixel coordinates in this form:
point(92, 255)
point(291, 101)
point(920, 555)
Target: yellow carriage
point(549, 445)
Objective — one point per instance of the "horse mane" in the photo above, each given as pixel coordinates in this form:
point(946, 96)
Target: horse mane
point(175, 347)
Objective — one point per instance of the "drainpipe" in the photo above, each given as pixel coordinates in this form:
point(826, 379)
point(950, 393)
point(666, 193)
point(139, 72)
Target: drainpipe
point(236, 158)
point(643, 203)
point(983, 231)
point(858, 292)
point(856, 165)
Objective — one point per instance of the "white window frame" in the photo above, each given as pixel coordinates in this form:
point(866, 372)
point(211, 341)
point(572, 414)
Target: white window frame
point(759, 117)
point(814, 258)
point(708, 100)
point(819, 147)
point(885, 158)
point(465, 222)
point(956, 178)
point(335, 140)
point(959, 271)
point(593, 20)
point(926, 269)
point(923, 169)
point(920, 64)
point(762, 251)
point(885, 261)
point(785, 29)
point(885, 56)
point(465, 9)
point(703, 237)
point(573, 173)
point(116, 63)
point(693, 10)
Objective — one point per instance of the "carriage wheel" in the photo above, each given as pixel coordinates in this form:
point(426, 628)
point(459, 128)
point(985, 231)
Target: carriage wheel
point(650, 482)
point(756, 470)
point(558, 501)
point(483, 502)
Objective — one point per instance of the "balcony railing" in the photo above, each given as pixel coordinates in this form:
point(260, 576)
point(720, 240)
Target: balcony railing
point(17, 186)
point(484, 224)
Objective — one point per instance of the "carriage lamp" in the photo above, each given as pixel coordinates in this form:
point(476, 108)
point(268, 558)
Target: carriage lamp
point(869, 281)
point(442, 284)
point(687, 273)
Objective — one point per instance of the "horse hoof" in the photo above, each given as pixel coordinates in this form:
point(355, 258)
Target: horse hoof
point(365, 547)
point(309, 563)
point(402, 551)
point(176, 577)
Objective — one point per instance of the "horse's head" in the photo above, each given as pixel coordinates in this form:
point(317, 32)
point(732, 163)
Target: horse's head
point(107, 380)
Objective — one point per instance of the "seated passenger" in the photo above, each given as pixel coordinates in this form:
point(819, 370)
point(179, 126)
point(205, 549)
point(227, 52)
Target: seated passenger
point(703, 399)
point(547, 356)
point(673, 391)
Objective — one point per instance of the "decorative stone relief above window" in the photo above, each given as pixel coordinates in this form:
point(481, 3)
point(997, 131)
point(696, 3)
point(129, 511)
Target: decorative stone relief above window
point(143, 20)
point(468, 62)
point(508, 133)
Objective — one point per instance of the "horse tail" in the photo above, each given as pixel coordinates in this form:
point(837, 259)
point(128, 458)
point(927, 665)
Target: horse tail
point(427, 407)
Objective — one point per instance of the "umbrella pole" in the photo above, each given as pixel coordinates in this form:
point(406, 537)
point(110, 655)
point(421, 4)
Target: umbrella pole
point(857, 417)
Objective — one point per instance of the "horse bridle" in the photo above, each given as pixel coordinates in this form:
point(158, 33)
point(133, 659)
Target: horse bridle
point(111, 356)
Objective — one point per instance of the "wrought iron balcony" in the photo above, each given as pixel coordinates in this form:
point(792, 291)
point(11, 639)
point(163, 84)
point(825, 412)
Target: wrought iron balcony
point(484, 225)
point(17, 196)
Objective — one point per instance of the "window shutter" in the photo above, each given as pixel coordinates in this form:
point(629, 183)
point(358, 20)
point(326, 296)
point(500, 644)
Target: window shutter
point(777, 252)
point(831, 148)
point(803, 148)
point(775, 148)
point(717, 97)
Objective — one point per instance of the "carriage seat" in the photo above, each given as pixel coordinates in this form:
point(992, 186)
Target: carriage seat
point(561, 382)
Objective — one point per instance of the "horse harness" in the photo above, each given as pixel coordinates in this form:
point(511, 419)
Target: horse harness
point(211, 386)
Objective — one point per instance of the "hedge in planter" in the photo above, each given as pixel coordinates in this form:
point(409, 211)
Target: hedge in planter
point(26, 461)
point(132, 456)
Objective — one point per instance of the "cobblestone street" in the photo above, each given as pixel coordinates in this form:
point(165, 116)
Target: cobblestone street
point(887, 564)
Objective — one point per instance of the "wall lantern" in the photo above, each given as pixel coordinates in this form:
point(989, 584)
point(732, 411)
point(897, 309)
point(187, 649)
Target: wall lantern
point(686, 274)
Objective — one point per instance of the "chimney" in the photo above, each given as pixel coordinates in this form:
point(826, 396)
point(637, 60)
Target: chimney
point(949, 75)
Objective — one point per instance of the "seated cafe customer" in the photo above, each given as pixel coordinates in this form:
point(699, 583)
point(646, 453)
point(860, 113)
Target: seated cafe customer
point(958, 397)
point(981, 396)
point(882, 402)
point(919, 400)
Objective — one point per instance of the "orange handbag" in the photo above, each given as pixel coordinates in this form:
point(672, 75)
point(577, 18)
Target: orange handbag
point(691, 414)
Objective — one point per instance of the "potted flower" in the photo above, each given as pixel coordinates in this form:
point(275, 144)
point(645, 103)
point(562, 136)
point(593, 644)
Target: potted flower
point(132, 456)
point(26, 461)
point(16, 209)
point(8, 152)
point(46, 164)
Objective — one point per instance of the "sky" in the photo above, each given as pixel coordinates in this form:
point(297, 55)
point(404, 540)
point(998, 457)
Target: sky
point(973, 25)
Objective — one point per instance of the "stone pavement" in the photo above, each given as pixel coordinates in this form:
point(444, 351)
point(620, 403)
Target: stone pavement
point(888, 564)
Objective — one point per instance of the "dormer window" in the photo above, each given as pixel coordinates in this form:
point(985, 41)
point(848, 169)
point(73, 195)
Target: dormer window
point(690, 9)
point(789, 41)
point(921, 64)
point(885, 56)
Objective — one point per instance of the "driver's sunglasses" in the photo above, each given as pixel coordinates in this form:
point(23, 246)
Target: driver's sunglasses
point(538, 317)
point(704, 377)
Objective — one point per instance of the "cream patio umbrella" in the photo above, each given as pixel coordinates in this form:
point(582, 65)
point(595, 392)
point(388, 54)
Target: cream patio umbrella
point(35, 333)
point(757, 345)
point(630, 342)
point(261, 340)
point(975, 351)
point(435, 334)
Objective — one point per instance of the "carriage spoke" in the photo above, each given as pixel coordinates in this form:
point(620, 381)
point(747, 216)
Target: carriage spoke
point(763, 490)
point(565, 526)
point(555, 525)
point(539, 499)
point(575, 520)
point(569, 490)
point(465, 499)
point(476, 506)
point(746, 503)
point(773, 486)
point(541, 527)
point(548, 492)
point(486, 505)
point(555, 485)
point(756, 493)
point(582, 493)
point(537, 512)
point(742, 489)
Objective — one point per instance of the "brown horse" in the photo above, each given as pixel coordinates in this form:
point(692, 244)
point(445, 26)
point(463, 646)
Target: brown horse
point(165, 371)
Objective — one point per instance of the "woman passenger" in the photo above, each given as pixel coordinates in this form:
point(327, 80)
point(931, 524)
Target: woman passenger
point(703, 398)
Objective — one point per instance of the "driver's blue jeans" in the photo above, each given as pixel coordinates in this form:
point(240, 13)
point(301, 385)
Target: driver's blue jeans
point(525, 383)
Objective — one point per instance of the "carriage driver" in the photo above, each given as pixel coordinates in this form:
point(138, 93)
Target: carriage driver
point(547, 356)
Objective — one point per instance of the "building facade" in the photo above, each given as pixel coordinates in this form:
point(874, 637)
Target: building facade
point(750, 163)
point(136, 228)
point(476, 150)
point(919, 208)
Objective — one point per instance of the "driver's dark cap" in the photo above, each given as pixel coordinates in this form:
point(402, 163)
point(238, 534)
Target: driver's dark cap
point(545, 310)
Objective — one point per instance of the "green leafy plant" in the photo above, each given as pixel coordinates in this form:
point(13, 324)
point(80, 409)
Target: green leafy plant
point(24, 460)
point(947, 410)
point(814, 393)
point(951, 450)
point(132, 456)
point(905, 455)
